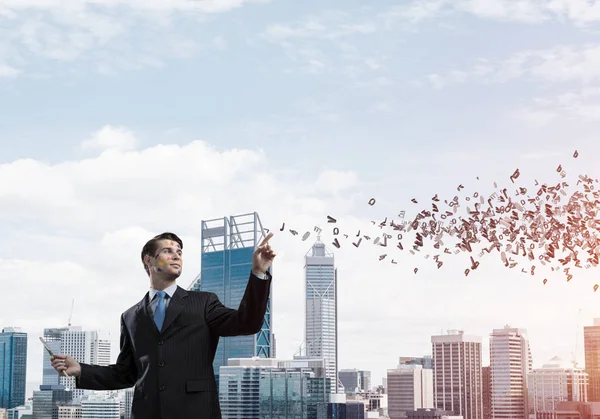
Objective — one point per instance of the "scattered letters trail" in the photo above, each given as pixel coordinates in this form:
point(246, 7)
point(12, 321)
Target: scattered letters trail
point(532, 224)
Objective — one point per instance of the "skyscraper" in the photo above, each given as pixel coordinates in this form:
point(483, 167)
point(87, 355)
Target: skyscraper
point(13, 367)
point(410, 387)
point(365, 380)
point(52, 336)
point(351, 380)
point(226, 262)
point(83, 345)
point(321, 309)
point(271, 388)
point(486, 391)
point(591, 341)
point(355, 381)
point(457, 374)
point(557, 381)
point(510, 364)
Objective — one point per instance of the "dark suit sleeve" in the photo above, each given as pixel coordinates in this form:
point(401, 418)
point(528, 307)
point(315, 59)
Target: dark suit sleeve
point(112, 377)
point(248, 318)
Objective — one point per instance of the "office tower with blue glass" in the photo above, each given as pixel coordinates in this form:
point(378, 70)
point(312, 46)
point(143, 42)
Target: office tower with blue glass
point(274, 389)
point(226, 261)
point(13, 367)
point(321, 309)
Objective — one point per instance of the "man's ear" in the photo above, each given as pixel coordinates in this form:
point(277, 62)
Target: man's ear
point(147, 259)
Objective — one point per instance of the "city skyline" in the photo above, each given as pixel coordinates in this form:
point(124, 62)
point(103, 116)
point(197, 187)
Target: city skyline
point(121, 120)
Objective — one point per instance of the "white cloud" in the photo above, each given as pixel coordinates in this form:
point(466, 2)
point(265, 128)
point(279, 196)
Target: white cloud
point(580, 12)
point(322, 44)
point(414, 12)
point(8, 71)
point(220, 43)
point(74, 229)
point(331, 25)
point(143, 34)
point(334, 181)
point(582, 104)
point(111, 138)
point(205, 6)
point(537, 117)
point(560, 64)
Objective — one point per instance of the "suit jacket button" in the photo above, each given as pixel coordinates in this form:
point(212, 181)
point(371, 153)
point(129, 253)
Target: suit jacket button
point(161, 364)
point(162, 388)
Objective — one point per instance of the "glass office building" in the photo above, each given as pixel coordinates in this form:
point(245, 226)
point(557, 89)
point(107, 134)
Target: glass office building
point(46, 401)
point(53, 337)
point(321, 334)
point(13, 367)
point(293, 393)
point(226, 262)
point(268, 388)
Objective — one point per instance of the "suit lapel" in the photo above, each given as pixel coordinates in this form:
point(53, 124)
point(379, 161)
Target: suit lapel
point(176, 304)
point(145, 314)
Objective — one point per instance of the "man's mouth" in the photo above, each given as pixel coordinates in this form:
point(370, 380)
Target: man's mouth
point(175, 264)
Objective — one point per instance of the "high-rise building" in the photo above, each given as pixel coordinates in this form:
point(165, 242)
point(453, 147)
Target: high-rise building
point(268, 388)
point(20, 412)
point(127, 403)
point(510, 364)
point(239, 386)
point(104, 352)
point(365, 380)
point(457, 374)
point(355, 410)
point(321, 309)
point(351, 380)
point(431, 414)
point(13, 367)
point(410, 387)
point(53, 337)
point(345, 410)
point(572, 410)
point(558, 381)
point(99, 407)
point(83, 345)
point(226, 262)
point(46, 402)
point(486, 391)
point(591, 341)
point(355, 381)
point(293, 393)
point(70, 412)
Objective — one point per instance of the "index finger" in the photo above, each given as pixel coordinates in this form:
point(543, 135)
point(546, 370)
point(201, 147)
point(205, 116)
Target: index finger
point(266, 239)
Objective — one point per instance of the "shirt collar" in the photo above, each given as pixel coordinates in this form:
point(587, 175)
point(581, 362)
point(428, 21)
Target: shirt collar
point(170, 291)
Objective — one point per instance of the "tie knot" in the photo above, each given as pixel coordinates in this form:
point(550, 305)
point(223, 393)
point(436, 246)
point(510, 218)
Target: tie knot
point(161, 294)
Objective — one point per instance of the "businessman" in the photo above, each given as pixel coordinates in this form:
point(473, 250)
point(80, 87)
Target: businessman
point(169, 339)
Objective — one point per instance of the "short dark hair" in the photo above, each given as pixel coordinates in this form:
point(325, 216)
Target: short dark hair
point(152, 244)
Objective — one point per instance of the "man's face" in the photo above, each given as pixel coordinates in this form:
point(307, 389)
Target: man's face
point(168, 259)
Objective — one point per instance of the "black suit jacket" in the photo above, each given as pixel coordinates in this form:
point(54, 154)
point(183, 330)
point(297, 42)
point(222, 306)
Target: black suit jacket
point(172, 369)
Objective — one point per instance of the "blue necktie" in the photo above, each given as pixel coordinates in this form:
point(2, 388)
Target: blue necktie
point(159, 313)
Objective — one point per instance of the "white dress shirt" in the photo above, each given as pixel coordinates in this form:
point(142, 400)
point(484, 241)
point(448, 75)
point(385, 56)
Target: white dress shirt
point(154, 301)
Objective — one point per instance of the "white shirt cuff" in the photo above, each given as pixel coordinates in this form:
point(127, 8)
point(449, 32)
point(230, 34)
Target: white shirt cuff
point(260, 276)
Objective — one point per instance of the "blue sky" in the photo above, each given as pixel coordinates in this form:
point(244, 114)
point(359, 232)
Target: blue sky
point(303, 109)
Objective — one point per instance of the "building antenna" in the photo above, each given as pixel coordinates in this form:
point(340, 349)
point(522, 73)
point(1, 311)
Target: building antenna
point(576, 352)
point(71, 314)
